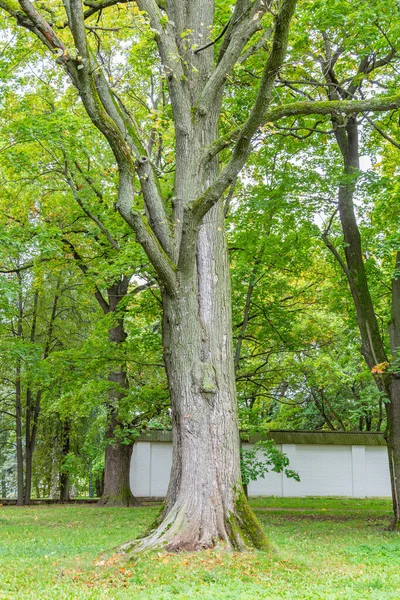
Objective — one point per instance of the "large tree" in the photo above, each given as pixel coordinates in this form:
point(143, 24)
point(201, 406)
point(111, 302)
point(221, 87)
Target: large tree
point(348, 66)
point(181, 226)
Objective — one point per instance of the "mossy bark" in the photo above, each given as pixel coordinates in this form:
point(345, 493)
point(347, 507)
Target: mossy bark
point(205, 504)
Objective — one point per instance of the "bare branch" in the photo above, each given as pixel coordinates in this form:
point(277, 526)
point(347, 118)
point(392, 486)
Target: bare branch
point(219, 36)
point(337, 256)
point(98, 295)
point(87, 212)
point(381, 132)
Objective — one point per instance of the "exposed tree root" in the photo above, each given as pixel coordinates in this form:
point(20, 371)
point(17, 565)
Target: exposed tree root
point(180, 531)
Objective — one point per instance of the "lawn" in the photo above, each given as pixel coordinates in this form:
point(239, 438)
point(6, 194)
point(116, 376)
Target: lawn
point(324, 548)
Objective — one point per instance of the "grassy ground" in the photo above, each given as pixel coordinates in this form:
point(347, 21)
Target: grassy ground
point(324, 548)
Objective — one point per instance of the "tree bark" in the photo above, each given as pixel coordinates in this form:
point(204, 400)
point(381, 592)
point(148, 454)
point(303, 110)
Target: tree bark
point(99, 484)
point(205, 502)
point(3, 485)
point(393, 408)
point(116, 490)
point(18, 435)
point(91, 494)
point(18, 406)
point(372, 343)
point(64, 475)
point(393, 445)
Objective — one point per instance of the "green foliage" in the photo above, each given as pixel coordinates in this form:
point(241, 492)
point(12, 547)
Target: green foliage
point(297, 340)
point(263, 457)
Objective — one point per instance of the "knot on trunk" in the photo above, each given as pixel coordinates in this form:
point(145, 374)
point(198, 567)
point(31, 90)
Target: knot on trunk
point(206, 378)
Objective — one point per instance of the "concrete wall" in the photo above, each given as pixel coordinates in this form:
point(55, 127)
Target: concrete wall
point(325, 470)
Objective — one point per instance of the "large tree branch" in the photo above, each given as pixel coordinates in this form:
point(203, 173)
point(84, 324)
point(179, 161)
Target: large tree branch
point(380, 103)
point(256, 117)
point(160, 260)
point(96, 6)
point(244, 23)
point(165, 36)
point(117, 112)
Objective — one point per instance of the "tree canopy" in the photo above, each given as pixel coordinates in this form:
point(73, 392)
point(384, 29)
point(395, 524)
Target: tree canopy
point(156, 155)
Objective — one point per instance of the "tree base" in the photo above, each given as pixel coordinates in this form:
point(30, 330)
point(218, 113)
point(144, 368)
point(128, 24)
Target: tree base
point(123, 499)
point(176, 532)
point(394, 525)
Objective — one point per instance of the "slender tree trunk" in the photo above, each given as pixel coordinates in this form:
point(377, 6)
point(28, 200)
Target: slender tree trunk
point(18, 435)
point(372, 343)
point(99, 484)
point(91, 494)
point(393, 445)
point(32, 416)
point(3, 485)
point(28, 475)
point(393, 408)
point(64, 475)
point(18, 405)
point(29, 410)
point(321, 409)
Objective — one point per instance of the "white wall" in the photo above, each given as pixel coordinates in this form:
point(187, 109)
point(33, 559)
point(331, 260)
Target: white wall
point(325, 470)
point(150, 468)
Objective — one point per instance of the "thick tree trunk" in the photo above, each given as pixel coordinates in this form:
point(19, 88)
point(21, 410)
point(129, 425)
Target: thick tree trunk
point(205, 503)
point(64, 487)
point(116, 490)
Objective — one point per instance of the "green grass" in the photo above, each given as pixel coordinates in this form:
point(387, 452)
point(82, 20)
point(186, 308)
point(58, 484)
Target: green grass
point(324, 548)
